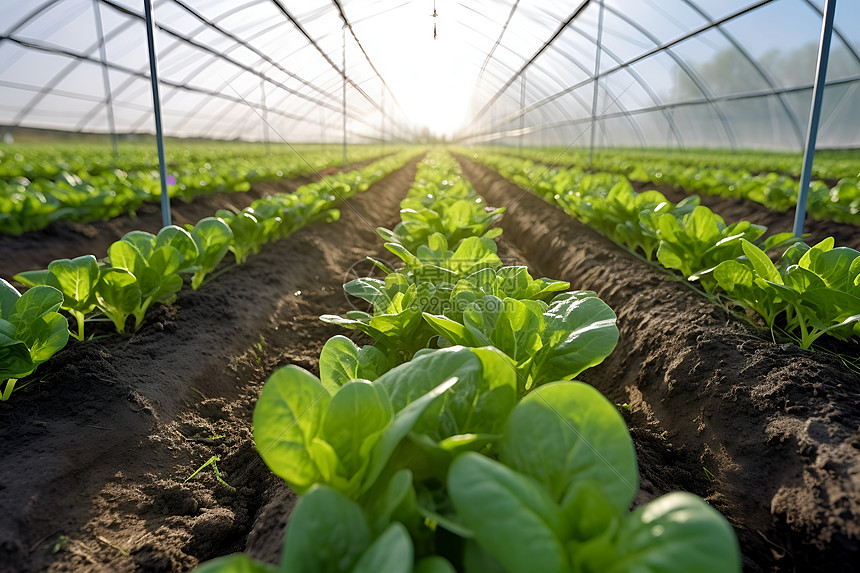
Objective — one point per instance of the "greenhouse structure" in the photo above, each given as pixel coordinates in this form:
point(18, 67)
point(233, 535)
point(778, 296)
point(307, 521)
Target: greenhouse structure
point(430, 286)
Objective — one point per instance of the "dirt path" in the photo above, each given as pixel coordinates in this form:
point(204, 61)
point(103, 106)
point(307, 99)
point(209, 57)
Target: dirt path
point(36, 249)
point(766, 433)
point(94, 461)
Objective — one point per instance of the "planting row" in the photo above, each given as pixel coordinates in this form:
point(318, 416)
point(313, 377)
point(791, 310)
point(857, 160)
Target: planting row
point(142, 269)
point(829, 163)
point(810, 292)
point(776, 191)
point(42, 184)
point(458, 440)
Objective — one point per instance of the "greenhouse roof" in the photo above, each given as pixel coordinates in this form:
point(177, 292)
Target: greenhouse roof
point(680, 73)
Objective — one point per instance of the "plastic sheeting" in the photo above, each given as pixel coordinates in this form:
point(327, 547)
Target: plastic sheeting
point(672, 73)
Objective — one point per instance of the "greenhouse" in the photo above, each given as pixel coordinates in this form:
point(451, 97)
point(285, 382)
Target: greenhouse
point(430, 286)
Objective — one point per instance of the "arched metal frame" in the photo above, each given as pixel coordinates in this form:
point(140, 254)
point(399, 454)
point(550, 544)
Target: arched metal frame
point(496, 72)
point(710, 99)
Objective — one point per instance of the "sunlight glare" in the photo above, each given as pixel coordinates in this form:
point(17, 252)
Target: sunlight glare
point(427, 76)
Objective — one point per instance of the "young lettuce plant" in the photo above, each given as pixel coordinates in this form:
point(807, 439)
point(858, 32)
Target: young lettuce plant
point(547, 341)
point(142, 272)
point(701, 240)
point(817, 288)
point(566, 474)
point(213, 237)
point(247, 233)
point(76, 279)
point(31, 331)
point(348, 428)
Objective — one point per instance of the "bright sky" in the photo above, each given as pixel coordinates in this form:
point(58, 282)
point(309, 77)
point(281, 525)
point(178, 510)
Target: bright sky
point(432, 78)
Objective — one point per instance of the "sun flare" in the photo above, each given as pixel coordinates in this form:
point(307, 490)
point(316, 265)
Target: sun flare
point(428, 77)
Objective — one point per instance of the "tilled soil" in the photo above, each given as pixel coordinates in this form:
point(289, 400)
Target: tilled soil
point(766, 433)
point(96, 459)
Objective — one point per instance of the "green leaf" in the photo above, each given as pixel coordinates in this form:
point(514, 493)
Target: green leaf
point(512, 516)
point(675, 533)
point(144, 242)
point(37, 278)
point(391, 552)
point(212, 237)
point(730, 275)
point(77, 280)
point(580, 332)
point(287, 418)
point(327, 533)
point(118, 295)
point(512, 326)
point(46, 336)
point(453, 331)
point(568, 436)
point(181, 240)
point(354, 420)
point(125, 255)
point(834, 267)
point(32, 305)
point(761, 263)
point(702, 225)
point(15, 360)
point(397, 496)
point(338, 361)
point(434, 564)
point(9, 295)
point(394, 433)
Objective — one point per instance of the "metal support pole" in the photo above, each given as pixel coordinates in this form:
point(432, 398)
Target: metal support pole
point(814, 115)
point(596, 83)
point(106, 77)
point(382, 105)
point(522, 107)
point(265, 115)
point(156, 105)
point(344, 95)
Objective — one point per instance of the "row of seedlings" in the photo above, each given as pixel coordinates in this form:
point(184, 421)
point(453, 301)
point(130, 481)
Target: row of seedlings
point(142, 269)
point(809, 292)
point(458, 441)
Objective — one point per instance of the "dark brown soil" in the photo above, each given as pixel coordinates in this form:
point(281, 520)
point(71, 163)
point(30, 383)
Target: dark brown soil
point(767, 433)
point(733, 210)
point(61, 239)
point(96, 459)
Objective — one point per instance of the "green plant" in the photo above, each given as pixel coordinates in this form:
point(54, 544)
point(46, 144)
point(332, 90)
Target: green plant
point(213, 238)
point(31, 331)
point(816, 288)
point(141, 272)
point(547, 341)
point(213, 462)
point(76, 279)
